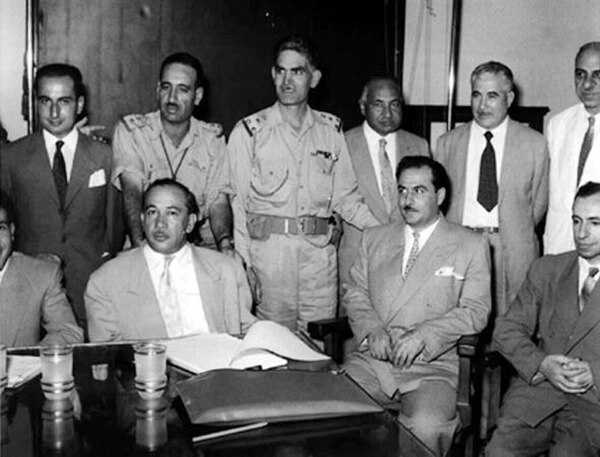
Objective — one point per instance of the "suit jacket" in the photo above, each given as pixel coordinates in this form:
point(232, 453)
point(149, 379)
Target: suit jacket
point(406, 144)
point(546, 310)
point(32, 299)
point(446, 295)
point(80, 235)
point(122, 305)
point(522, 193)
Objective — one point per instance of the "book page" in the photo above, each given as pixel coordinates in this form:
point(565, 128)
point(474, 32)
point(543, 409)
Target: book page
point(279, 340)
point(204, 352)
point(22, 368)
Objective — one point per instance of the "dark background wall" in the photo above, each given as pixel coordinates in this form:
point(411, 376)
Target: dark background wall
point(119, 45)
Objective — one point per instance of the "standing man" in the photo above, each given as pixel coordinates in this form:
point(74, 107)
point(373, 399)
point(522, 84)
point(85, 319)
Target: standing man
point(498, 169)
point(574, 153)
point(170, 143)
point(289, 171)
point(58, 182)
point(551, 335)
point(414, 290)
point(375, 149)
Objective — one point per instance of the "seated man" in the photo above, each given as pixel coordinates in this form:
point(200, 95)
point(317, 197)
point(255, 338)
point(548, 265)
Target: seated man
point(167, 287)
point(33, 306)
point(551, 335)
point(417, 286)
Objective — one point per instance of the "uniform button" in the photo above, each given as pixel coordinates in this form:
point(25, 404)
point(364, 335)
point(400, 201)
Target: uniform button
point(63, 238)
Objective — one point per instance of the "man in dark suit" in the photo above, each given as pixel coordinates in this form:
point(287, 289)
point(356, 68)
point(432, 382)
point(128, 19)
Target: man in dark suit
point(414, 290)
point(33, 305)
point(551, 335)
point(375, 148)
point(58, 182)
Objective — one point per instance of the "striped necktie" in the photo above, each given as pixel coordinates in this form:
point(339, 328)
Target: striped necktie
point(412, 255)
point(587, 288)
point(169, 305)
point(586, 147)
point(389, 187)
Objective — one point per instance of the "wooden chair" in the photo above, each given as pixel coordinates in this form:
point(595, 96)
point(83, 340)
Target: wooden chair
point(333, 333)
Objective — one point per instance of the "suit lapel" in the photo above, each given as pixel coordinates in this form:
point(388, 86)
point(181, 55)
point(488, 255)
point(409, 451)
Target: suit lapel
point(365, 175)
point(510, 156)
point(14, 295)
point(458, 189)
point(209, 282)
point(38, 166)
point(83, 166)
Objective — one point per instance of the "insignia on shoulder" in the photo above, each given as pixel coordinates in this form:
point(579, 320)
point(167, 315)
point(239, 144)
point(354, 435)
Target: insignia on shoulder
point(135, 121)
point(213, 127)
point(332, 120)
point(253, 123)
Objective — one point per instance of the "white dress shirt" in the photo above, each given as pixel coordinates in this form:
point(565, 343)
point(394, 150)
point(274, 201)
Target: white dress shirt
point(183, 276)
point(68, 149)
point(373, 139)
point(584, 268)
point(565, 134)
point(409, 238)
point(4, 269)
point(475, 215)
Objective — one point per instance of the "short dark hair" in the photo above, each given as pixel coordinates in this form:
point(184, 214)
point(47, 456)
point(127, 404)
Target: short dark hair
point(187, 59)
point(190, 199)
point(59, 70)
point(301, 45)
point(591, 46)
point(588, 189)
point(438, 172)
point(7, 206)
point(494, 68)
point(381, 78)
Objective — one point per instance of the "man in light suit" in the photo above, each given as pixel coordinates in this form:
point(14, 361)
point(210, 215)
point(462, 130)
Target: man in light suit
point(167, 287)
point(500, 189)
point(551, 335)
point(33, 304)
point(58, 182)
point(381, 105)
point(414, 290)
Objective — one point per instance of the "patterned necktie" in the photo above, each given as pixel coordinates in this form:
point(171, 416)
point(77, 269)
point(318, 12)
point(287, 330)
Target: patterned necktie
point(169, 305)
point(59, 171)
point(412, 255)
point(389, 188)
point(487, 194)
point(586, 147)
point(587, 288)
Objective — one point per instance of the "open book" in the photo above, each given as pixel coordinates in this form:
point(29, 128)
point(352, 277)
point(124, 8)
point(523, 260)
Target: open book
point(266, 345)
point(22, 368)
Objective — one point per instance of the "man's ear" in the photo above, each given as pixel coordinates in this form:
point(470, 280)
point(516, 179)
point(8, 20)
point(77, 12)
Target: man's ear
point(11, 229)
point(316, 77)
point(198, 96)
point(192, 219)
point(510, 97)
point(441, 196)
point(273, 73)
point(80, 104)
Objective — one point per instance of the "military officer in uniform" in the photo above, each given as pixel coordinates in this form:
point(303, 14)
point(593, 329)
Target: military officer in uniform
point(170, 143)
point(290, 170)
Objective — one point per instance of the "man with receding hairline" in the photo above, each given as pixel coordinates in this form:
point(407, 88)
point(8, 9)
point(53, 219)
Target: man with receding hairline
point(574, 144)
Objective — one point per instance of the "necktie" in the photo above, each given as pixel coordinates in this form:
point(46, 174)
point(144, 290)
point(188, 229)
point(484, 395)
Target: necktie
point(389, 187)
point(487, 194)
point(59, 170)
point(167, 297)
point(587, 288)
point(586, 147)
point(412, 255)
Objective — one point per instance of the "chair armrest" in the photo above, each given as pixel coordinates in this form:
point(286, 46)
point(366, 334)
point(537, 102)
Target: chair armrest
point(470, 349)
point(333, 332)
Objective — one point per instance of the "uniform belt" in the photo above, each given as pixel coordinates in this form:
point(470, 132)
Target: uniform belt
point(484, 229)
point(307, 225)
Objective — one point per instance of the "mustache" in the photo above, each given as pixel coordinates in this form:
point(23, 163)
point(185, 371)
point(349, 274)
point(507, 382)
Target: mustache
point(408, 208)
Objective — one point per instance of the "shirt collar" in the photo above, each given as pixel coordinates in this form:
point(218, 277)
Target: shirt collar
point(5, 269)
point(584, 267)
point(157, 260)
point(70, 140)
point(423, 234)
point(373, 137)
point(498, 131)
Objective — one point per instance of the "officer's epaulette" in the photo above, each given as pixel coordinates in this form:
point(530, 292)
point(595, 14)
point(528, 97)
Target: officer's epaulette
point(135, 121)
point(211, 127)
point(254, 123)
point(331, 120)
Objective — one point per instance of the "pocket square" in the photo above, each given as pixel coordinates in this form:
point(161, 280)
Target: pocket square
point(449, 271)
point(97, 178)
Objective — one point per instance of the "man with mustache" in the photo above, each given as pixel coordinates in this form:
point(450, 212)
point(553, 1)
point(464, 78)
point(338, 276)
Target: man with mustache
point(416, 287)
point(574, 152)
point(167, 287)
point(289, 171)
point(171, 143)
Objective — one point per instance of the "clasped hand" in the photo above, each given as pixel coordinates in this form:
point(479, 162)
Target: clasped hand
point(572, 376)
point(399, 346)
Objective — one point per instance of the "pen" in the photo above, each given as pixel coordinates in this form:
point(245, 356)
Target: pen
point(229, 431)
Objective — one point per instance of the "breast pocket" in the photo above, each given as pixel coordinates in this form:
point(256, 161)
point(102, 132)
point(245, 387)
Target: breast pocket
point(321, 176)
point(270, 178)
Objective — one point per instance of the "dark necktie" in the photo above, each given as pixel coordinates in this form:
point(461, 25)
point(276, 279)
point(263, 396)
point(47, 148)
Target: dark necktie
point(586, 147)
point(487, 194)
point(59, 171)
point(587, 288)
